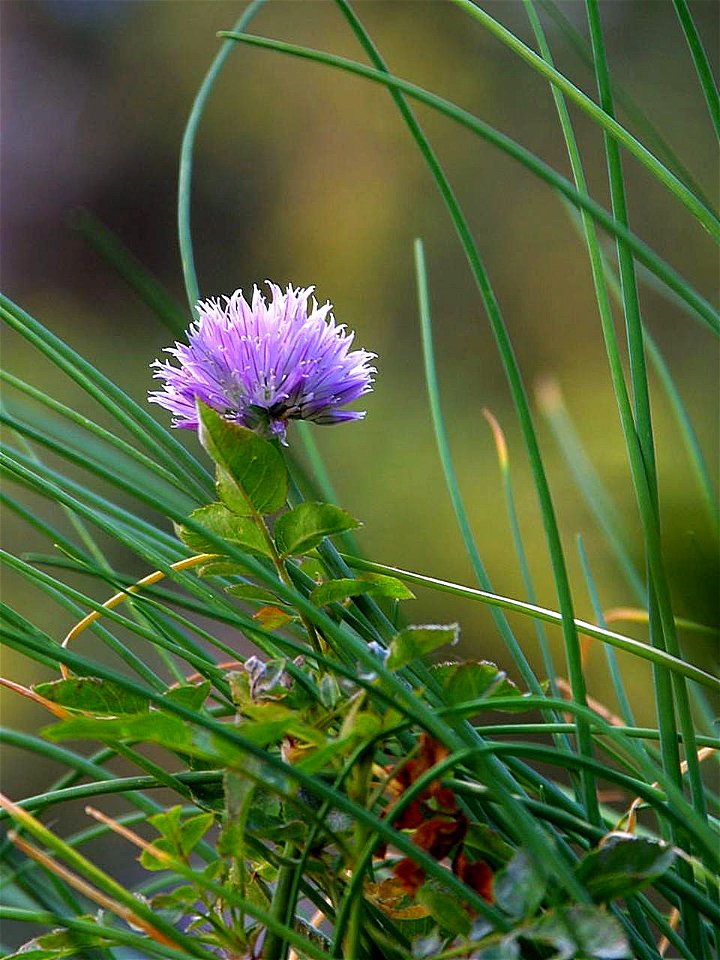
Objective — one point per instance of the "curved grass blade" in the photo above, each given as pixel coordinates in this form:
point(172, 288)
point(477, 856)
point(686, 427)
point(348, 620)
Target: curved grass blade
point(618, 640)
point(599, 115)
point(132, 416)
point(186, 158)
point(635, 113)
point(114, 252)
point(644, 254)
point(702, 64)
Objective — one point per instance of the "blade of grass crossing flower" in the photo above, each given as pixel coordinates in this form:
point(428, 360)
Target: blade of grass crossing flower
point(186, 157)
point(700, 59)
point(662, 623)
point(645, 255)
point(639, 118)
point(443, 446)
point(610, 126)
point(111, 249)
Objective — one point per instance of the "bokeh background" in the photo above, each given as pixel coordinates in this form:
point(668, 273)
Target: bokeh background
point(308, 176)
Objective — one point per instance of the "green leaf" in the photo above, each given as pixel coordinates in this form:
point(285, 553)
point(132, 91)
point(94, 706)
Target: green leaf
point(444, 909)
point(190, 695)
point(58, 944)
point(623, 865)
point(220, 521)
point(582, 932)
point(484, 843)
point(518, 887)
point(306, 525)
point(414, 642)
point(92, 695)
point(253, 465)
point(193, 830)
point(374, 585)
point(472, 680)
point(152, 727)
point(248, 591)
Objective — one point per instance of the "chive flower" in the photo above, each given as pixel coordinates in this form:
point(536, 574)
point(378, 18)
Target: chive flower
point(261, 364)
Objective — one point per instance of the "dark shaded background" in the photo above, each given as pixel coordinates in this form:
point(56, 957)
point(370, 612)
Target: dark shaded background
point(309, 176)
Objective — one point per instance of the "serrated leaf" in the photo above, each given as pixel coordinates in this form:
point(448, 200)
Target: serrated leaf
point(445, 909)
point(412, 643)
point(519, 888)
point(622, 866)
point(253, 464)
point(472, 680)
point(220, 521)
point(92, 695)
point(306, 525)
point(375, 585)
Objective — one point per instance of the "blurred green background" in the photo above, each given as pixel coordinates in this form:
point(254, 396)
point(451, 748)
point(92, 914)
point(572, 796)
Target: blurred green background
point(308, 176)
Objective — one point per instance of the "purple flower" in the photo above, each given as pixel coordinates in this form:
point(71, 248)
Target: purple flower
point(262, 364)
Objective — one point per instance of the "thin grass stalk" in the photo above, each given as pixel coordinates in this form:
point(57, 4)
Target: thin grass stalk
point(599, 115)
point(689, 437)
point(505, 474)
point(622, 642)
point(132, 416)
point(551, 403)
point(703, 309)
point(520, 400)
point(443, 447)
point(662, 624)
point(639, 118)
point(113, 251)
point(613, 667)
point(101, 433)
point(186, 158)
point(701, 62)
point(644, 482)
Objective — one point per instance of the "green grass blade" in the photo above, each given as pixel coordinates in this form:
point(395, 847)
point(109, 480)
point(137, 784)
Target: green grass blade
point(687, 432)
point(113, 251)
point(644, 254)
point(643, 650)
point(700, 59)
point(610, 126)
point(520, 401)
point(504, 464)
point(133, 417)
point(638, 117)
point(443, 446)
point(186, 158)
point(615, 674)
point(551, 403)
point(662, 623)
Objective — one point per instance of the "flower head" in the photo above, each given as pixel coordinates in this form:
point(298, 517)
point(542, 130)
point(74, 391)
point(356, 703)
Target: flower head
point(261, 364)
